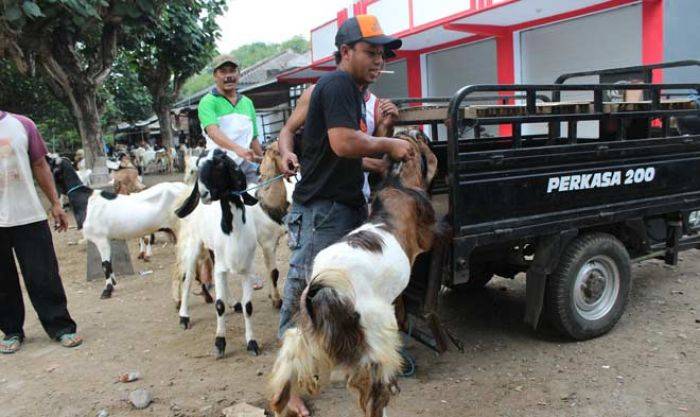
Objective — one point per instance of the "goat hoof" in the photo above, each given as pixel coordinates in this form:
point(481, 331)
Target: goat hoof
point(238, 308)
point(220, 347)
point(107, 292)
point(277, 304)
point(185, 323)
point(141, 255)
point(253, 348)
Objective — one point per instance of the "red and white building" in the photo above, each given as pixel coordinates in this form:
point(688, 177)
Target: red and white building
point(451, 43)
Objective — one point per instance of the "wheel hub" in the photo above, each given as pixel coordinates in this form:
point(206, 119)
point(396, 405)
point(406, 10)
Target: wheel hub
point(596, 288)
point(593, 287)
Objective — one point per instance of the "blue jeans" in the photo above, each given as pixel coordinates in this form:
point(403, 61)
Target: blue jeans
point(311, 228)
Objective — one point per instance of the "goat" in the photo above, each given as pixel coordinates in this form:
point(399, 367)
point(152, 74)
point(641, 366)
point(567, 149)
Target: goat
point(103, 215)
point(145, 158)
point(164, 160)
point(190, 167)
point(126, 177)
point(346, 318)
point(267, 216)
point(223, 229)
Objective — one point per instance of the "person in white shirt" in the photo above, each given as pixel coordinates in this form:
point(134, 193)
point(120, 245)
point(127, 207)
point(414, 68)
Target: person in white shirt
point(24, 230)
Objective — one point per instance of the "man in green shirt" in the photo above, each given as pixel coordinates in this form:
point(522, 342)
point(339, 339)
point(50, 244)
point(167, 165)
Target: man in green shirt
point(228, 118)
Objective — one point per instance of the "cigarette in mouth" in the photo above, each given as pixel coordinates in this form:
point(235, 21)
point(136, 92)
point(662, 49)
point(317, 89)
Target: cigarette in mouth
point(386, 72)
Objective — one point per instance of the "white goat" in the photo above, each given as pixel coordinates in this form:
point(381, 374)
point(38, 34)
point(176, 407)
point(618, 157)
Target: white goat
point(145, 158)
point(228, 230)
point(104, 215)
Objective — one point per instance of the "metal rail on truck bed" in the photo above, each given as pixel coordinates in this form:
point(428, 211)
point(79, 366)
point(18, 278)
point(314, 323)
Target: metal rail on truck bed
point(503, 190)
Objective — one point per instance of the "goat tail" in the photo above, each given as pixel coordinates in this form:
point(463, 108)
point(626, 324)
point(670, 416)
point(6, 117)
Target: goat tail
point(327, 313)
point(300, 369)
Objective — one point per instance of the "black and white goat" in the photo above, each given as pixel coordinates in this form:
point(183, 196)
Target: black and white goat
point(273, 202)
point(346, 318)
point(103, 215)
point(227, 230)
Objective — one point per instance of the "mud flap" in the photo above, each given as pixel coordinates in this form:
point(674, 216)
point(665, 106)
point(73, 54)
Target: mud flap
point(549, 248)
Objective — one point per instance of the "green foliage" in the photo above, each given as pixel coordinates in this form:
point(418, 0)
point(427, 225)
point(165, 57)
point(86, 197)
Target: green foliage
point(72, 45)
point(30, 96)
point(180, 45)
point(132, 101)
point(297, 44)
point(247, 55)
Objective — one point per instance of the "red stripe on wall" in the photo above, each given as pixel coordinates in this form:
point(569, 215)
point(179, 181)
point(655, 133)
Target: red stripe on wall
point(342, 16)
point(505, 61)
point(653, 35)
point(413, 75)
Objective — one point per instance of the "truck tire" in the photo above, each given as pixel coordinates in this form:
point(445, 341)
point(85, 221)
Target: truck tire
point(587, 293)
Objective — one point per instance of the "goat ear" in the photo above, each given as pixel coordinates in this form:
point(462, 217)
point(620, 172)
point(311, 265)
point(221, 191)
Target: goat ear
point(249, 200)
point(190, 204)
point(226, 216)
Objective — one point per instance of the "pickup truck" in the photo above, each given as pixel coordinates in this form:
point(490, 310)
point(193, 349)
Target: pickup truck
point(569, 206)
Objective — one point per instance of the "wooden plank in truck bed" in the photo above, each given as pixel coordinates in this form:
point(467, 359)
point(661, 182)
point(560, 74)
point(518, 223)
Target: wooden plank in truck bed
point(427, 113)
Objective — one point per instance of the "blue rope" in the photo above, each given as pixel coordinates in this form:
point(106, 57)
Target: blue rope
point(262, 184)
point(75, 188)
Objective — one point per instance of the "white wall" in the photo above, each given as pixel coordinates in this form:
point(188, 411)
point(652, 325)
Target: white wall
point(392, 15)
point(425, 11)
point(323, 41)
point(681, 38)
point(449, 70)
point(392, 85)
point(603, 40)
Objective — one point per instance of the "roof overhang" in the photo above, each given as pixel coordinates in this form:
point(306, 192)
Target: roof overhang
point(473, 23)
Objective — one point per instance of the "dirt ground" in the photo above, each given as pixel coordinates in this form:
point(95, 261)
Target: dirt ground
point(649, 365)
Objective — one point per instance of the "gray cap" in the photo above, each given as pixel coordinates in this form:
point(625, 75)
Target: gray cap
point(221, 60)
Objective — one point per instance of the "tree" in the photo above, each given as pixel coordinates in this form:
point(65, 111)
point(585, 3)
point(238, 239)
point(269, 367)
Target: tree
point(168, 54)
point(73, 44)
point(297, 44)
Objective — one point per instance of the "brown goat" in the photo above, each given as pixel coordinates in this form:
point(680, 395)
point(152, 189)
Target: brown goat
point(346, 318)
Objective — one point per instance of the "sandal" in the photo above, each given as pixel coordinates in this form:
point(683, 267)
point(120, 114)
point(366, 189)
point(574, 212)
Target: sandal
point(10, 344)
point(70, 340)
point(409, 364)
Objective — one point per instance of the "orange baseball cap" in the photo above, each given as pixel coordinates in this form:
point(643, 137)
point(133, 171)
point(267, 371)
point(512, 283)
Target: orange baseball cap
point(365, 28)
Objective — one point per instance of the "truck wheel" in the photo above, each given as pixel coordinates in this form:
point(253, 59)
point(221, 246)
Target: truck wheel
point(587, 293)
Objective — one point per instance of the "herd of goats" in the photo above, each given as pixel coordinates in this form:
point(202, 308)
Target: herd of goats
point(346, 319)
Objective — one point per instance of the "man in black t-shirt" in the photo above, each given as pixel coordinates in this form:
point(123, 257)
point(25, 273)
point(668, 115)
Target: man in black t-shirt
point(328, 200)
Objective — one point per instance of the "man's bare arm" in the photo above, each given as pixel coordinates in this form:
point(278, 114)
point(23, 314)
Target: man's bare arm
point(387, 116)
point(295, 122)
point(290, 161)
point(43, 176)
point(256, 147)
point(349, 143)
